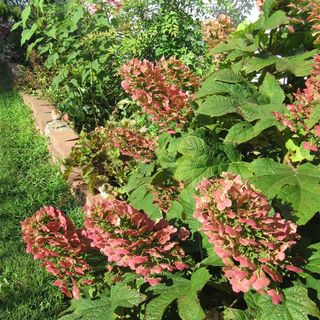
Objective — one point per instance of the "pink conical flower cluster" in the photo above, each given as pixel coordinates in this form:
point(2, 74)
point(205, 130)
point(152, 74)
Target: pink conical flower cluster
point(177, 73)
point(165, 195)
point(133, 144)
point(51, 237)
point(132, 240)
point(305, 13)
point(93, 7)
point(300, 112)
point(151, 85)
point(217, 31)
point(108, 155)
point(251, 242)
point(314, 19)
point(117, 4)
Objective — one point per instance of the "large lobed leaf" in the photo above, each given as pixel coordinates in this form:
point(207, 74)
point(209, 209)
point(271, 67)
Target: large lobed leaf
point(296, 306)
point(184, 292)
point(272, 90)
point(299, 187)
point(245, 131)
point(86, 309)
point(226, 93)
point(313, 264)
point(104, 308)
point(199, 160)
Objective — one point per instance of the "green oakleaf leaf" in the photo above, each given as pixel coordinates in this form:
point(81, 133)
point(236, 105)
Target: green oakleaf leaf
point(241, 168)
point(219, 83)
point(28, 33)
point(213, 259)
point(313, 264)
point(87, 309)
point(227, 75)
point(255, 64)
point(245, 131)
point(141, 199)
point(234, 314)
point(25, 16)
point(222, 94)
point(121, 295)
point(189, 308)
point(314, 117)
point(268, 6)
point(300, 187)
point(124, 296)
point(175, 211)
point(187, 201)
point(252, 111)
point(199, 160)
point(275, 20)
point(296, 306)
point(182, 290)
point(216, 106)
point(272, 90)
point(211, 86)
point(312, 283)
point(297, 64)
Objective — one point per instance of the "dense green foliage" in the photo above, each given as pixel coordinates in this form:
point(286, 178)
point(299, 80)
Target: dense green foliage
point(88, 49)
point(25, 289)
point(7, 11)
point(86, 43)
point(237, 10)
point(10, 49)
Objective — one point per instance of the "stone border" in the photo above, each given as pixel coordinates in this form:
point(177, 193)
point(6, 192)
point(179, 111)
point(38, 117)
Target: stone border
point(61, 139)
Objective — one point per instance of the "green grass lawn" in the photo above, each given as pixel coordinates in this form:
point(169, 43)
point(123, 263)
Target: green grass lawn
point(28, 180)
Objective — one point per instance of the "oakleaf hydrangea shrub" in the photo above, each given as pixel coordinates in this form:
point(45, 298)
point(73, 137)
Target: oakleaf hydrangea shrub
point(130, 239)
point(51, 237)
point(305, 12)
point(252, 243)
point(302, 14)
point(93, 7)
point(177, 73)
point(160, 253)
point(150, 84)
point(215, 32)
point(165, 195)
point(132, 143)
point(302, 118)
point(108, 154)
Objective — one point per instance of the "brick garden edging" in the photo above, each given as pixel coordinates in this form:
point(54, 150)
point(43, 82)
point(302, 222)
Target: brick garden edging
point(61, 139)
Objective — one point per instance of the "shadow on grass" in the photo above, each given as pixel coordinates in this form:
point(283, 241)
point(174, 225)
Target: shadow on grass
point(6, 80)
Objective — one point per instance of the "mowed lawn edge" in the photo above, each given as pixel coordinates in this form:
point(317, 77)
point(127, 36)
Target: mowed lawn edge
point(28, 181)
